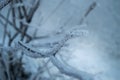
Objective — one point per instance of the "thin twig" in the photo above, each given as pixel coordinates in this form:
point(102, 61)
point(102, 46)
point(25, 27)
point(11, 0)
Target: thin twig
point(3, 3)
point(15, 27)
point(90, 8)
point(33, 10)
point(24, 9)
point(5, 26)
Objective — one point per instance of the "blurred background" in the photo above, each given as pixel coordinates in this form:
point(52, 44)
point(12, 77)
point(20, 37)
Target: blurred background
point(39, 21)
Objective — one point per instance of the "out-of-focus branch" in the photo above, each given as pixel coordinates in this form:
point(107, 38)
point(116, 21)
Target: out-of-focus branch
point(21, 16)
point(41, 69)
point(14, 22)
point(13, 12)
point(1, 22)
point(15, 27)
point(23, 8)
point(28, 17)
point(5, 27)
point(3, 3)
point(33, 10)
point(90, 8)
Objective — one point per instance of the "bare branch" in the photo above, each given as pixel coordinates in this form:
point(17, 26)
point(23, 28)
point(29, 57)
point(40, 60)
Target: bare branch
point(33, 10)
point(15, 27)
point(90, 8)
point(5, 27)
point(23, 8)
point(3, 3)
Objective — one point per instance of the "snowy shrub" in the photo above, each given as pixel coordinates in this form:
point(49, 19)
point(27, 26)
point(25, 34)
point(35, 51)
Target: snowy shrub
point(16, 48)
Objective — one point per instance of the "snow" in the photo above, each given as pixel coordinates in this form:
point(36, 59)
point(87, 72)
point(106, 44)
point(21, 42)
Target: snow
point(98, 52)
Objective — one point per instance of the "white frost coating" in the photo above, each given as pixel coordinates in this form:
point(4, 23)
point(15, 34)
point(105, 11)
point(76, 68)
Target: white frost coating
point(55, 47)
point(28, 50)
point(63, 68)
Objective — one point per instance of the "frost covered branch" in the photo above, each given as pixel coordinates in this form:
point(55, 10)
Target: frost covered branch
point(63, 68)
point(22, 16)
point(11, 64)
point(39, 54)
point(54, 48)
